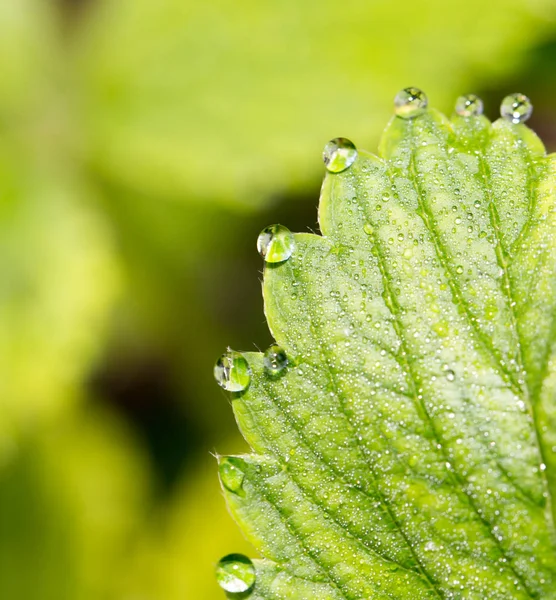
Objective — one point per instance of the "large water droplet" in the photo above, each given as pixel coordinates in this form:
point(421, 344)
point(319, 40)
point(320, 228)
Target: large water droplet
point(235, 573)
point(232, 371)
point(469, 105)
point(410, 102)
point(275, 360)
point(275, 243)
point(232, 473)
point(339, 154)
point(516, 108)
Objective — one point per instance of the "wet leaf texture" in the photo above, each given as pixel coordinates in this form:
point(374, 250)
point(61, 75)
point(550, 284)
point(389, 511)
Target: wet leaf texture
point(407, 451)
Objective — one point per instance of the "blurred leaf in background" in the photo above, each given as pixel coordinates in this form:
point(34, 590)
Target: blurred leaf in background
point(71, 505)
point(143, 145)
point(212, 103)
point(58, 270)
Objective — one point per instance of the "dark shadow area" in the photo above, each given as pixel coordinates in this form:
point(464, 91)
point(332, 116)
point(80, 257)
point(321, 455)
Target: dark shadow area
point(141, 391)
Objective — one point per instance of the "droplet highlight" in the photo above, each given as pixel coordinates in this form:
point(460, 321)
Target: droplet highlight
point(516, 108)
point(235, 573)
point(410, 102)
point(275, 243)
point(275, 360)
point(469, 105)
point(339, 154)
point(232, 371)
point(232, 473)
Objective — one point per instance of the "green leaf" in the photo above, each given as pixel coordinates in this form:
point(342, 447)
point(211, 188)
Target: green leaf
point(409, 450)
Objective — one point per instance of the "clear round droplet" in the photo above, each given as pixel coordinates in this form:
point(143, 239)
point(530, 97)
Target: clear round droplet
point(339, 154)
point(410, 102)
point(516, 108)
point(235, 573)
point(469, 105)
point(232, 473)
point(275, 360)
point(275, 243)
point(368, 229)
point(450, 375)
point(232, 371)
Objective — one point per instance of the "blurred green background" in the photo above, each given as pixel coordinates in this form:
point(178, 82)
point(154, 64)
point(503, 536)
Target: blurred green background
point(143, 145)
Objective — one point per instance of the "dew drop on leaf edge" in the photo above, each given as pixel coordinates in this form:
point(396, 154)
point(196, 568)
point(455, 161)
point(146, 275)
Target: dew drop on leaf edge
point(410, 102)
point(275, 360)
point(469, 105)
point(516, 108)
point(275, 243)
point(235, 573)
point(339, 154)
point(232, 371)
point(232, 474)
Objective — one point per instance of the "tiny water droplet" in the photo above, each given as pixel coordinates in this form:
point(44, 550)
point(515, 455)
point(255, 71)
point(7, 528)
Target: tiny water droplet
point(368, 229)
point(275, 243)
point(410, 102)
point(516, 108)
point(235, 573)
point(232, 473)
point(339, 154)
point(275, 360)
point(232, 371)
point(450, 375)
point(459, 269)
point(469, 105)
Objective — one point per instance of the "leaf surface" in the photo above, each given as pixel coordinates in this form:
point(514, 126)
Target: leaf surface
point(408, 451)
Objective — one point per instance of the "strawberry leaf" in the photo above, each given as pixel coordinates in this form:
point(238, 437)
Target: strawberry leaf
point(407, 450)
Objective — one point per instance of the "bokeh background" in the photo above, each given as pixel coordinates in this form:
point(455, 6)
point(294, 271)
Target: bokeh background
point(143, 145)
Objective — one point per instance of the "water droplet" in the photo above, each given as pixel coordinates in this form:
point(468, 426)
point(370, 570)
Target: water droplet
point(459, 269)
point(410, 102)
point(232, 473)
point(368, 229)
point(235, 573)
point(516, 108)
point(450, 375)
point(469, 105)
point(275, 360)
point(232, 371)
point(275, 243)
point(339, 154)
